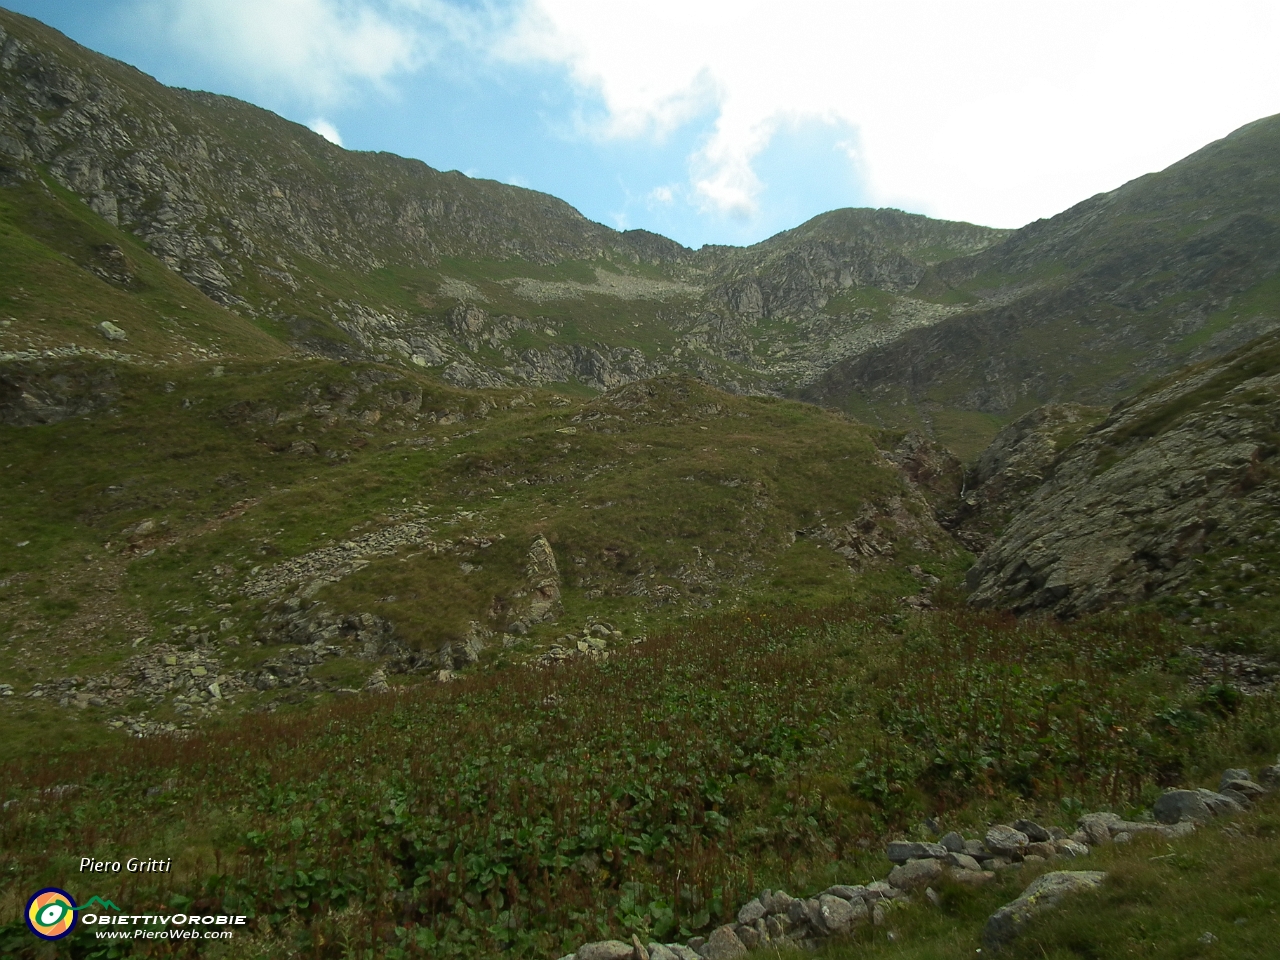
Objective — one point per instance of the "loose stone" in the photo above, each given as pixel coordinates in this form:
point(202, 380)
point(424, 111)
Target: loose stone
point(1003, 840)
point(915, 873)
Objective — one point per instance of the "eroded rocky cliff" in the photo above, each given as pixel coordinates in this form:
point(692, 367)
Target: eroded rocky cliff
point(1184, 472)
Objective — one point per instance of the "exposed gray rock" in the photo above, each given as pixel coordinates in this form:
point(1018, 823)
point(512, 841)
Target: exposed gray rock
point(748, 934)
point(846, 892)
point(1219, 804)
point(111, 331)
point(543, 576)
point(900, 851)
point(1243, 786)
point(962, 861)
point(1233, 773)
point(723, 944)
point(915, 873)
point(778, 901)
point(835, 914)
point(953, 842)
point(1127, 513)
point(1243, 800)
point(660, 951)
point(1175, 805)
point(1044, 893)
point(1003, 840)
point(605, 950)
point(1035, 833)
point(751, 911)
point(1095, 828)
point(973, 878)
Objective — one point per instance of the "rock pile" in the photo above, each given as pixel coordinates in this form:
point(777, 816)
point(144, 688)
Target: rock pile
point(592, 641)
point(776, 918)
point(332, 563)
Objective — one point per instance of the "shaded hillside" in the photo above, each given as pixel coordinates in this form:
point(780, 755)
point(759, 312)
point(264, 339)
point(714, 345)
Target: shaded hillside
point(1088, 305)
point(1175, 498)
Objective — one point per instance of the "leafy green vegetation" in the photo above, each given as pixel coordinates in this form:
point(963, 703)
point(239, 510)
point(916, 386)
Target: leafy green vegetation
point(653, 791)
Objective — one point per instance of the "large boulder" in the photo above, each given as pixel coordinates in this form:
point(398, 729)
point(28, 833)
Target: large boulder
point(1044, 893)
point(751, 911)
point(1176, 805)
point(1232, 773)
point(953, 842)
point(776, 902)
point(834, 915)
point(962, 861)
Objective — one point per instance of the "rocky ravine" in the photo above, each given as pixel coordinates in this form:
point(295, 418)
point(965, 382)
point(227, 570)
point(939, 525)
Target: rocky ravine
point(1125, 514)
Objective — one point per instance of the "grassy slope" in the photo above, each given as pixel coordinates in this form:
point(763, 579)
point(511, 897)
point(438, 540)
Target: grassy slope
point(688, 479)
point(49, 244)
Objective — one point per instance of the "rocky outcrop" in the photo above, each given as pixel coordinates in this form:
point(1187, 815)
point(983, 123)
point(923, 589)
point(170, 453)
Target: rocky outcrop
point(33, 394)
point(1044, 893)
point(1129, 509)
point(541, 594)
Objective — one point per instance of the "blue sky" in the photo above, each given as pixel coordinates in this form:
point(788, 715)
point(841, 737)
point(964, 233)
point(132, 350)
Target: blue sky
point(725, 122)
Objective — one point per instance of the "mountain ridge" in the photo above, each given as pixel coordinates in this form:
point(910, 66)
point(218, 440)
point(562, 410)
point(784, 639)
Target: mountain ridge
point(952, 329)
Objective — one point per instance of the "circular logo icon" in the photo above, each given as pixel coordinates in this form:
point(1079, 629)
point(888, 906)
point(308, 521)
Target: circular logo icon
point(51, 914)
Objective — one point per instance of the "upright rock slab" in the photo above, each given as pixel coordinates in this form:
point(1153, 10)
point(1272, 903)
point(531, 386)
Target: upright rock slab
point(1044, 894)
point(543, 577)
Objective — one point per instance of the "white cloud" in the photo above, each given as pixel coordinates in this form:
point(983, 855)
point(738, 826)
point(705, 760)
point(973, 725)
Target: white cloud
point(662, 195)
point(998, 112)
point(315, 49)
point(326, 130)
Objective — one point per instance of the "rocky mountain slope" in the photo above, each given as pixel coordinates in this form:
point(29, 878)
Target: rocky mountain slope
point(1086, 306)
point(370, 254)
point(1173, 497)
point(951, 327)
